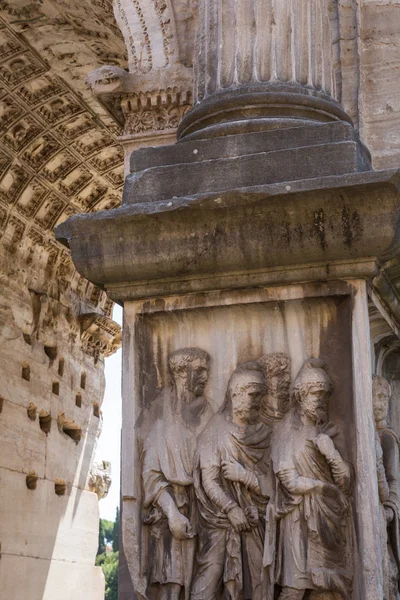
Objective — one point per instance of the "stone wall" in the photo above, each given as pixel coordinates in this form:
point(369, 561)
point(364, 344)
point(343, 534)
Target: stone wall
point(365, 57)
point(58, 155)
point(53, 343)
point(379, 55)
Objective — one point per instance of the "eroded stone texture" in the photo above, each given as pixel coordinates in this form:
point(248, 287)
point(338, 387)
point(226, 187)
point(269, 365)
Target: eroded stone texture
point(51, 377)
point(100, 478)
point(379, 47)
point(261, 233)
point(268, 42)
point(58, 155)
point(233, 484)
point(388, 458)
point(356, 59)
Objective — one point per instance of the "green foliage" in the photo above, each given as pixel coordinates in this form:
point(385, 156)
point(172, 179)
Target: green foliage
point(108, 530)
point(115, 541)
point(102, 545)
point(109, 564)
point(106, 535)
point(100, 558)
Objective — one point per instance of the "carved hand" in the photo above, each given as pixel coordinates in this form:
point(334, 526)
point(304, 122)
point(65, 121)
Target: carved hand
point(325, 445)
point(238, 519)
point(233, 471)
point(180, 526)
point(329, 429)
point(329, 489)
point(251, 513)
point(389, 514)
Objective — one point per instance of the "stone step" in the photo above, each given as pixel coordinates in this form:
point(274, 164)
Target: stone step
point(176, 180)
point(242, 144)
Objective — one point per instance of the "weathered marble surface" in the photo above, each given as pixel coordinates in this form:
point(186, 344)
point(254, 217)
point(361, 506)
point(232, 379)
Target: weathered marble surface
point(52, 355)
point(58, 155)
point(278, 233)
point(235, 329)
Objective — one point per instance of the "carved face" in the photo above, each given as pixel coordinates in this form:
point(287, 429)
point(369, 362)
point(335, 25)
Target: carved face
point(381, 397)
point(278, 392)
point(196, 376)
point(314, 402)
point(246, 394)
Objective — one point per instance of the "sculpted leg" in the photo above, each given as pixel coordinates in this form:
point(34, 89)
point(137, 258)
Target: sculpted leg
point(169, 591)
point(291, 594)
point(210, 565)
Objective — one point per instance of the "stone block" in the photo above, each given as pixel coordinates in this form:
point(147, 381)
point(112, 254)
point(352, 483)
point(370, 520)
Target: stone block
point(240, 145)
point(235, 163)
point(77, 456)
point(68, 518)
point(23, 444)
point(24, 578)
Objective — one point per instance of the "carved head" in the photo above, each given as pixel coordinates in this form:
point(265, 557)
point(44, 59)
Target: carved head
point(189, 367)
point(381, 393)
point(246, 389)
point(106, 79)
point(312, 389)
point(276, 368)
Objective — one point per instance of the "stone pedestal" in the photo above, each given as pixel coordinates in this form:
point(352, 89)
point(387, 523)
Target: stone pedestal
point(249, 258)
point(280, 268)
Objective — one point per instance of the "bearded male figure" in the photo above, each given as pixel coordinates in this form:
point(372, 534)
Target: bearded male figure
point(169, 433)
point(231, 482)
point(388, 485)
point(308, 541)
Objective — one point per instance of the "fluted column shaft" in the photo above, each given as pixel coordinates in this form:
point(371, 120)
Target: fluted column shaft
point(252, 42)
point(263, 64)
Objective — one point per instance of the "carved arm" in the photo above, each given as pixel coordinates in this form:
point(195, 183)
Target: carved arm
point(341, 471)
point(383, 487)
point(298, 485)
point(234, 471)
point(213, 489)
point(167, 504)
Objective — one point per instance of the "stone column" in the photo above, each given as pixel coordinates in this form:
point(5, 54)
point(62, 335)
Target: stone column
point(253, 241)
point(267, 60)
point(266, 43)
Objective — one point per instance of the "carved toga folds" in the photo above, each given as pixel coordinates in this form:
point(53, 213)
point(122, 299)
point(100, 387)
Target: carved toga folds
point(391, 461)
point(224, 554)
point(169, 445)
point(313, 533)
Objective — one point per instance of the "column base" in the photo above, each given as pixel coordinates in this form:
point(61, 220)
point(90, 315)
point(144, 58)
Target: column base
point(244, 160)
point(259, 108)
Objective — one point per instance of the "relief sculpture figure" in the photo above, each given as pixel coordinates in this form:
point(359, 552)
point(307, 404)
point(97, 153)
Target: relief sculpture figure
point(232, 488)
point(308, 544)
point(169, 435)
point(388, 465)
point(275, 403)
point(383, 491)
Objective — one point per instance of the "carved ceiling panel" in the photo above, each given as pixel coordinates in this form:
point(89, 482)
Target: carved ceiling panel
point(59, 152)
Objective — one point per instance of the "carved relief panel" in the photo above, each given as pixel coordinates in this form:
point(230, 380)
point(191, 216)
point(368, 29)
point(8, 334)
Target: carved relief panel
point(239, 478)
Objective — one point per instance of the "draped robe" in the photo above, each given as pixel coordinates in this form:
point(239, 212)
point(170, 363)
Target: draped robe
point(168, 449)
point(309, 535)
point(226, 556)
point(391, 462)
